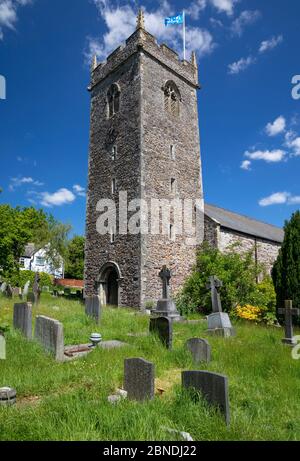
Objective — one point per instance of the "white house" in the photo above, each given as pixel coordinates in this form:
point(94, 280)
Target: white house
point(36, 260)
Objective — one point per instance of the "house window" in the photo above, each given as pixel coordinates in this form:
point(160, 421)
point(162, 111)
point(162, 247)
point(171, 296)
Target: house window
point(172, 152)
point(22, 262)
point(173, 185)
point(113, 186)
point(114, 153)
point(39, 261)
point(113, 100)
point(171, 98)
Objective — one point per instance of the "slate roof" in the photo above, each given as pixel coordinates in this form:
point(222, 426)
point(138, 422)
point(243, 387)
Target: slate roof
point(244, 224)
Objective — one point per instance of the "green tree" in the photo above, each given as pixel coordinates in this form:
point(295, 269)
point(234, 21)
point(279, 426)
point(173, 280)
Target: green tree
point(286, 270)
point(75, 258)
point(239, 274)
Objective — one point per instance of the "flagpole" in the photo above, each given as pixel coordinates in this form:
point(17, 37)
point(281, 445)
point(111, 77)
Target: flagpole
point(183, 14)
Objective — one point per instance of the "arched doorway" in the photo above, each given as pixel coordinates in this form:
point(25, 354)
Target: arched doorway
point(109, 284)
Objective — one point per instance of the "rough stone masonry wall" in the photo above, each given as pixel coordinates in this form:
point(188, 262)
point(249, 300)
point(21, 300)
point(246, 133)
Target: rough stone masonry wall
point(123, 131)
point(159, 131)
point(266, 251)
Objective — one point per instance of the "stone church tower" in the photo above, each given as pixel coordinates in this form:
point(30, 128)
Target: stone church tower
point(144, 141)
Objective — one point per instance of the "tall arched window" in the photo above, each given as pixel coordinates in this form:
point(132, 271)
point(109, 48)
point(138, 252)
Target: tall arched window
point(113, 100)
point(171, 98)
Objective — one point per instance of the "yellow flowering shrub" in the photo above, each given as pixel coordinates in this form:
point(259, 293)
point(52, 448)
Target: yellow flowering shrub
point(249, 312)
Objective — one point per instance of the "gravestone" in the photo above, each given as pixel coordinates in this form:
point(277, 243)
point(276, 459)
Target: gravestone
point(289, 312)
point(163, 327)
point(139, 375)
point(218, 322)
point(200, 349)
point(3, 287)
point(9, 291)
point(23, 319)
point(36, 288)
point(213, 386)
point(25, 290)
point(50, 334)
point(31, 298)
point(2, 347)
point(93, 307)
point(17, 292)
point(166, 306)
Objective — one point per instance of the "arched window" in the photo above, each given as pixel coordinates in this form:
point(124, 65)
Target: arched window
point(171, 98)
point(113, 100)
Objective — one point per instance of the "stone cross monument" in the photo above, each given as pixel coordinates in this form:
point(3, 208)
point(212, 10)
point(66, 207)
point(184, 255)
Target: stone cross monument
point(289, 312)
point(166, 306)
point(214, 285)
point(218, 322)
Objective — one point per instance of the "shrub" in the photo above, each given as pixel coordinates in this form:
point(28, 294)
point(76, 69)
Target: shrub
point(18, 279)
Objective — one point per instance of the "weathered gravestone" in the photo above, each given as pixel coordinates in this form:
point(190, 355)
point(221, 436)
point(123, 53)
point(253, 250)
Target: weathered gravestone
point(50, 334)
point(36, 289)
point(31, 298)
point(218, 322)
point(166, 306)
point(25, 290)
point(93, 307)
point(17, 292)
point(200, 349)
point(9, 291)
point(163, 327)
point(23, 319)
point(2, 347)
point(3, 287)
point(289, 312)
point(139, 375)
point(213, 386)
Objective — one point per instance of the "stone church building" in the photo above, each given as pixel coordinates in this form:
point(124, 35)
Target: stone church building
point(144, 141)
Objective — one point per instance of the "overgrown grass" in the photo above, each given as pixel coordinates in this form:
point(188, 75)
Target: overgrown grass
point(68, 401)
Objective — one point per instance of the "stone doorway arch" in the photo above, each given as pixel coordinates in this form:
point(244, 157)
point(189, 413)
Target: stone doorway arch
point(109, 283)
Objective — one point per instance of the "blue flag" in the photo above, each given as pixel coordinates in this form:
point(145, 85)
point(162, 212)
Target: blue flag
point(174, 20)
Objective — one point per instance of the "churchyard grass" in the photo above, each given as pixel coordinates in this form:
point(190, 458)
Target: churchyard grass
point(68, 401)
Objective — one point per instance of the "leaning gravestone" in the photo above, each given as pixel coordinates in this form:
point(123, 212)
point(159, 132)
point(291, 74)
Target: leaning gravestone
point(139, 375)
point(93, 307)
point(218, 322)
point(163, 327)
point(23, 319)
point(3, 287)
point(200, 350)
point(213, 386)
point(50, 334)
point(2, 347)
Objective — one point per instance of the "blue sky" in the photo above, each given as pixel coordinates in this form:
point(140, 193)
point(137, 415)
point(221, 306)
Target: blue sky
point(249, 122)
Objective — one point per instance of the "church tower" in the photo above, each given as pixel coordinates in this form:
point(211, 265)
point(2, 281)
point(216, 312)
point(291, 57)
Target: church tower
point(144, 146)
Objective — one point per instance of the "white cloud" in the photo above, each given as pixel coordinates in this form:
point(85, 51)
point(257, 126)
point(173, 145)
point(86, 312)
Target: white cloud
point(246, 165)
point(268, 156)
point(79, 190)
point(277, 127)
point(61, 197)
point(8, 13)
point(246, 18)
point(268, 45)
point(241, 65)
point(224, 6)
point(195, 8)
point(121, 23)
point(20, 181)
point(293, 142)
point(279, 198)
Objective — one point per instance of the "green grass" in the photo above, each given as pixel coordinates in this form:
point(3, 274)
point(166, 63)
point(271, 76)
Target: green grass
point(68, 401)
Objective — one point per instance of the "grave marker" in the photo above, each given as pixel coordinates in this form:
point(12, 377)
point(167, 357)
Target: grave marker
point(139, 377)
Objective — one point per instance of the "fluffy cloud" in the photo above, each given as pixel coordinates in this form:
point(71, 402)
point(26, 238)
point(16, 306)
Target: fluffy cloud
point(121, 23)
point(277, 127)
point(273, 156)
point(20, 181)
point(8, 13)
point(79, 190)
point(279, 198)
point(61, 197)
point(225, 6)
point(293, 142)
point(268, 45)
point(246, 18)
point(241, 65)
point(246, 165)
